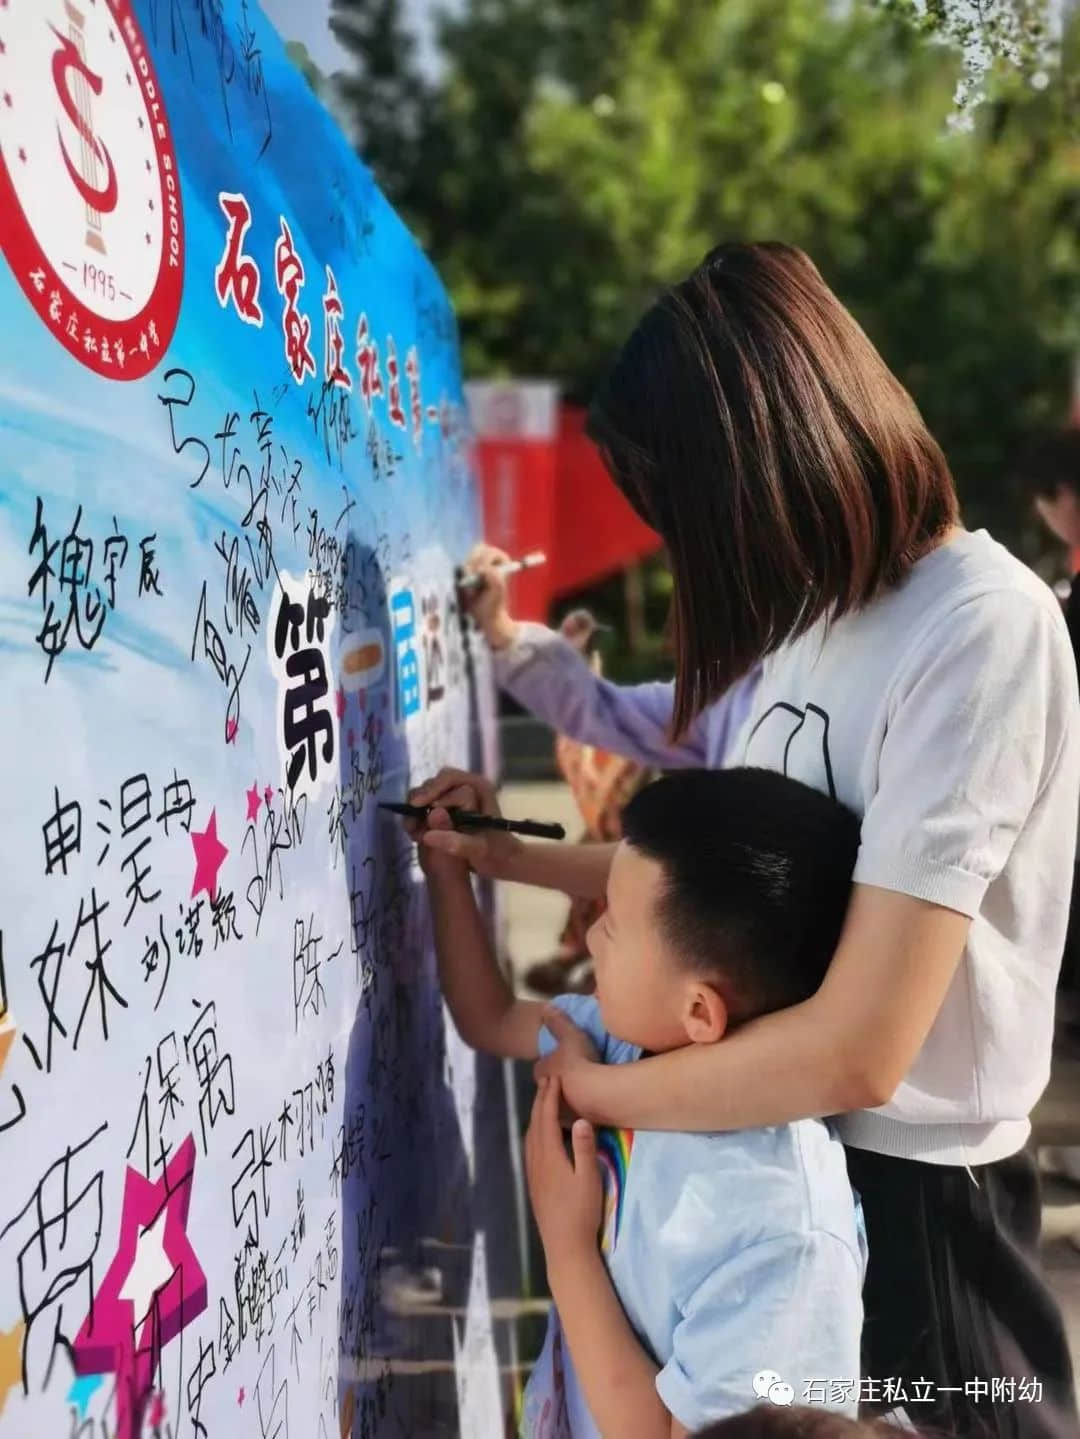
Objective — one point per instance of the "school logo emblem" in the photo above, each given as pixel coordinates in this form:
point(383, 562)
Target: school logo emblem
point(91, 220)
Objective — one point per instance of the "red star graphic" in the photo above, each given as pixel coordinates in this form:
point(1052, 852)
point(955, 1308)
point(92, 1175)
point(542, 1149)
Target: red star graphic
point(340, 704)
point(209, 857)
point(114, 1339)
point(268, 796)
point(254, 799)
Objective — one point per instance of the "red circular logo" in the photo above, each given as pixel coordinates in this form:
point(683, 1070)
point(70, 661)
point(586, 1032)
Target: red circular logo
point(91, 219)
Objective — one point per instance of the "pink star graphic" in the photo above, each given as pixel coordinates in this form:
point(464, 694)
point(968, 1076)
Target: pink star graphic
point(340, 704)
point(268, 796)
point(114, 1338)
point(209, 856)
point(254, 799)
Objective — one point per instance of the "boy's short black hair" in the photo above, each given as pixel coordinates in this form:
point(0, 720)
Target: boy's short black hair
point(1050, 464)
point(757, 871)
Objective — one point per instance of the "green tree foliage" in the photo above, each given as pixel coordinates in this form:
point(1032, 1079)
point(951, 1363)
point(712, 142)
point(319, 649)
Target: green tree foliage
point(570, 157)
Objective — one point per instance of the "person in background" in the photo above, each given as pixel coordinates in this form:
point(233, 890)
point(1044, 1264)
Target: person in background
point(1050, 471)
point(602, 784)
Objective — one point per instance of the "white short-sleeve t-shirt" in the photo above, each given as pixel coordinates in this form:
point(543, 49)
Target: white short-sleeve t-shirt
point(946, 715)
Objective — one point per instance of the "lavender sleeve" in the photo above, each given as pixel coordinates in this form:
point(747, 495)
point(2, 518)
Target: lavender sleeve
point(545, 674)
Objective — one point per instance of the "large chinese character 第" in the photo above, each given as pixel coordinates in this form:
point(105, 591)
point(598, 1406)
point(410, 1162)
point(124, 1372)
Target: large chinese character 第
point(298, 638)
point(296, 327)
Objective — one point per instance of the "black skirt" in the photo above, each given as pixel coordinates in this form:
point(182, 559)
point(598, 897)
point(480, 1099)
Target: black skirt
point(960, 1324)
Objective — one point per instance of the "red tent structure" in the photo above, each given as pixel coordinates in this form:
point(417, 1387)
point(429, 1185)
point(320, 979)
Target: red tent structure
point(544, 487)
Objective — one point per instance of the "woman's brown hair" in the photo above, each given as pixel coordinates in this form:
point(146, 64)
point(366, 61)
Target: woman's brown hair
point(750, 421)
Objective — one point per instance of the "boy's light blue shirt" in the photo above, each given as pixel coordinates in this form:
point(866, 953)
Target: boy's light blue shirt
point(734, 1255)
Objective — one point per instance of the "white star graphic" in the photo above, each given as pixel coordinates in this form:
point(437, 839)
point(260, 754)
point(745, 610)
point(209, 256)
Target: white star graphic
point(151, 1270)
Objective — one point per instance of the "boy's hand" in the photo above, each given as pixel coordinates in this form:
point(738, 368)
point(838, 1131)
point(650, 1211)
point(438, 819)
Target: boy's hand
point(567, 1195)
point(572, 1065)
point(488, 852)
point(435, 862)
point(575, 1048)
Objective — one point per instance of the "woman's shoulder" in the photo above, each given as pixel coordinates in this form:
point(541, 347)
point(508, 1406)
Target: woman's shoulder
point(970, 597)
point(970, 585)
point(971, 568)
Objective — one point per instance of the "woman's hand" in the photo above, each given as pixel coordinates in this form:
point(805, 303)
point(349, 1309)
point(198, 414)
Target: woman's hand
point(487, 602)
point(488, 852)
point(567, 1195)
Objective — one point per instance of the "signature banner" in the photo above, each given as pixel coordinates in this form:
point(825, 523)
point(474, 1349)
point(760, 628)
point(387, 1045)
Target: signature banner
point(248, 1174)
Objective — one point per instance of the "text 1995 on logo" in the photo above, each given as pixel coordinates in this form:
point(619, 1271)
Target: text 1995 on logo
point(90, 213)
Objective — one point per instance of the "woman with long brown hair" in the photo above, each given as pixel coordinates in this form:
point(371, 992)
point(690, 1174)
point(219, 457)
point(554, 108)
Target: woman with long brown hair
point(921, 675)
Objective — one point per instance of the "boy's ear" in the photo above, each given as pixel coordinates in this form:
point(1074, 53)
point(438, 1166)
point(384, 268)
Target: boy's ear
point(705, 1015)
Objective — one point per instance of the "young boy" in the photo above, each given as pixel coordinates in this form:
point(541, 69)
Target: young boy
point(730, 1266)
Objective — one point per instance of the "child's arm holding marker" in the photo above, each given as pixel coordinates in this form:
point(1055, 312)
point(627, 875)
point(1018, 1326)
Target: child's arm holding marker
point(481, 1003)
